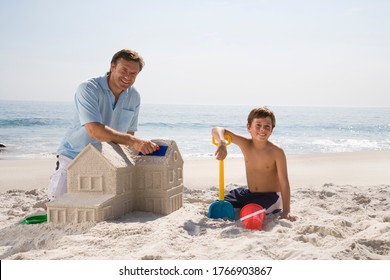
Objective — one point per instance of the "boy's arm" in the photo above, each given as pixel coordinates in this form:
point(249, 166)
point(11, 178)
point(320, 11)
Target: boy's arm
point(281, 165)
point(218, 133)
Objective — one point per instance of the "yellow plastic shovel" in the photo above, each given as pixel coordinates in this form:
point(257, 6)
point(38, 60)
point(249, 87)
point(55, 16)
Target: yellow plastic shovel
point(221, 209)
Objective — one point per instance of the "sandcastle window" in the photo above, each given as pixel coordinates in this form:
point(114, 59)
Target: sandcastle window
point(171, 178)
point(128, 182)
point(90, 183)
point(58, 216)
point(153, 180)
point(107, 212)
point(85, 215)
point(128, 179)
point(175, 156)
point(96, 183)
point(180, 173)
point(84, 183)
point(128, 206)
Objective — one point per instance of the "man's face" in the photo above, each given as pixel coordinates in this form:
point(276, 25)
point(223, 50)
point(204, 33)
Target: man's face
point(260, 128)
point(123, 74)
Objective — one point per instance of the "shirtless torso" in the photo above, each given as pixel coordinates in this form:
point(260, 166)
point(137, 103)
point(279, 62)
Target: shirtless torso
point(261, 167)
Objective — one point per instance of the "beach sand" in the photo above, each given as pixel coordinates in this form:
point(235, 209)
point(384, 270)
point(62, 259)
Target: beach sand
point(342, 202)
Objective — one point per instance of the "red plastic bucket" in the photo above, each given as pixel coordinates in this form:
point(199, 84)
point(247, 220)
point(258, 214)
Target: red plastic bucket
point(252, 216)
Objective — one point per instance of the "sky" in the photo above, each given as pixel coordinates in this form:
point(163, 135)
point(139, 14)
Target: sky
point(247, 52)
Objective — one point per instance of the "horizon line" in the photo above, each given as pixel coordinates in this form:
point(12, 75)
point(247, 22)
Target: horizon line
point(215, 105)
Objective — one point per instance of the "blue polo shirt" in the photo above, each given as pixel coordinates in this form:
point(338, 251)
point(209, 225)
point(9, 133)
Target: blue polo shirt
point(96, 103)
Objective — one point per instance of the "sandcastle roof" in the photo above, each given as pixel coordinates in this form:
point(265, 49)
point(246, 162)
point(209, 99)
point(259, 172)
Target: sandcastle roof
point(160, 160)
point(117, 155)
point(82, 199)
point(122, 156)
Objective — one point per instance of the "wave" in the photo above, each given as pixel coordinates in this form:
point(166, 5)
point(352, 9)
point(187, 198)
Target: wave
point(29, 122)
point(195, 125)
point(297, 131)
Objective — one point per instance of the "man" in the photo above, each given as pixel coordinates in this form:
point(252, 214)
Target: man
point(107, 109)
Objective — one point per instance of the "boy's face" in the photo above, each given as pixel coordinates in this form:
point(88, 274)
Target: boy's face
point(260, 128)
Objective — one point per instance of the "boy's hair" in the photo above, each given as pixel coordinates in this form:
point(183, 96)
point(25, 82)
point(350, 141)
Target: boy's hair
point(261, 112)
point(128, 55)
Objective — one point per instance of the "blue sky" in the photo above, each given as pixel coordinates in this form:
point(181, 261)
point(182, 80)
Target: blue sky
point(259, 52)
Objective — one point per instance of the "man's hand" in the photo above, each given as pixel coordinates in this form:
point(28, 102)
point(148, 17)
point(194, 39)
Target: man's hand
point(145, 146)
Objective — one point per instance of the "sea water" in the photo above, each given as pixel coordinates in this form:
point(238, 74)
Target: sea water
point(31, 129)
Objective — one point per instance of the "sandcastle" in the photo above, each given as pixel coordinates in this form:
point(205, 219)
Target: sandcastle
point(107, 180)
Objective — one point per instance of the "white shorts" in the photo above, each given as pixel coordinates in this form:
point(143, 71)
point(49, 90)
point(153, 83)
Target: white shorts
point(278, 205)
point(58, 181)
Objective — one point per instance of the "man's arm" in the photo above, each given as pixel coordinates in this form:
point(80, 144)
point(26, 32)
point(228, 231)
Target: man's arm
point(104, 133)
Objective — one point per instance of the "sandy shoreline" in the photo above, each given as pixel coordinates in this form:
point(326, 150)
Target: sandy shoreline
point(358, 168)
point(342, 202)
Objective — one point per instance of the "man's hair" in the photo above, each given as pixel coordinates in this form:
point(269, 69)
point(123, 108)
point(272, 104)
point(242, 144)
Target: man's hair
point(128, 55)
point(261, 112)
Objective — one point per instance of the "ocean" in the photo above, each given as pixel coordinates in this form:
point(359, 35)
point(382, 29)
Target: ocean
point(33, 130)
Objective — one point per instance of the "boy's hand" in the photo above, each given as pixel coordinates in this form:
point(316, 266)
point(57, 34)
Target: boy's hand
point(288, 216)
point(221, 152)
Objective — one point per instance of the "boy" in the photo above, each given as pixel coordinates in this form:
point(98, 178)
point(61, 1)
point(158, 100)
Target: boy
point(265, 162)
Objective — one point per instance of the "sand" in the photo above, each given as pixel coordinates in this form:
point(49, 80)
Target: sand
point(342, 202)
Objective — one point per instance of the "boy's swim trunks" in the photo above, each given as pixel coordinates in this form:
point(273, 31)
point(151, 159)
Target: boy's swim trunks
point(240, 197)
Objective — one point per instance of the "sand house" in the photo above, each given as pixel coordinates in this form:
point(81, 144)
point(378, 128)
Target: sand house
point(107, 180)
